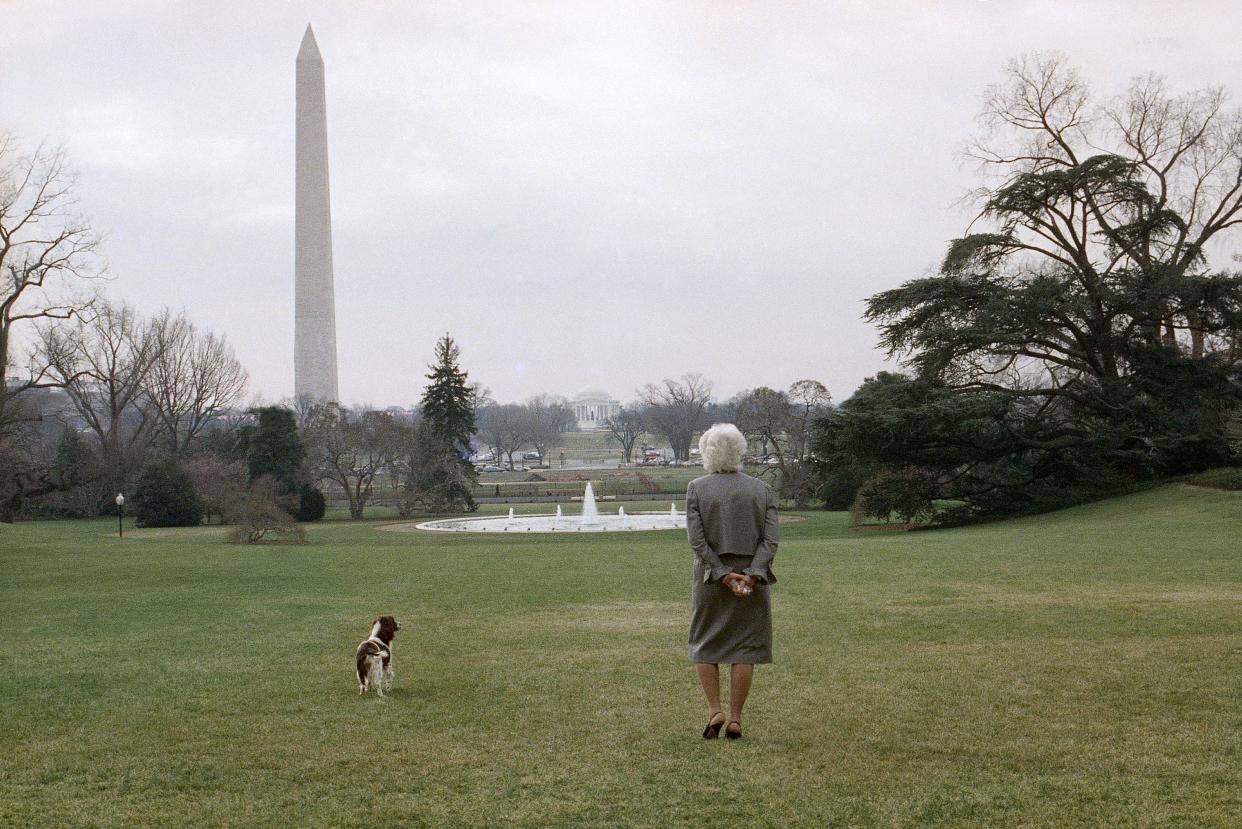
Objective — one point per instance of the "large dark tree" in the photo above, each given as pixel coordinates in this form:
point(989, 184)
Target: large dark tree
point(1079, 330)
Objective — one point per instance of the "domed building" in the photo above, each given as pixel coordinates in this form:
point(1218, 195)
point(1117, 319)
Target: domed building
point(593, 407)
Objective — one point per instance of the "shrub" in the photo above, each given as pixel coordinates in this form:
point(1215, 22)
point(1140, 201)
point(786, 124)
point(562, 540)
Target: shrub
point(165, 497)
point(311, 504)
point(221, 484)
point(259, 517)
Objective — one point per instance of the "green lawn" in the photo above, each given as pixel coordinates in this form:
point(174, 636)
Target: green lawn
point(1081, 668)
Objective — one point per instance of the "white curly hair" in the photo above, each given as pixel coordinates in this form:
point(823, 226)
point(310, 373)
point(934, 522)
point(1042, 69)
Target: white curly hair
point(722, 447)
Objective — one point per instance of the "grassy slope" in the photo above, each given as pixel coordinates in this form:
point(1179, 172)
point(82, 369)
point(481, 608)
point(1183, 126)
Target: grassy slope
point(1077, 668)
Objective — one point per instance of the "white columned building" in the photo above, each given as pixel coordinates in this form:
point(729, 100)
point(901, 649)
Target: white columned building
point(593, 407)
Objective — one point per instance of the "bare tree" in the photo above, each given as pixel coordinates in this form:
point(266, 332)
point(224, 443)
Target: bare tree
point(625, 427)
point(808, 399)
point(47, 259)
point(502, 427)
point(194, 377)
point(47, 252)
point(220, 484)
point(765, 414)
point(103, 363)
point(547, 417)
point(351, 450)
point(677, 410)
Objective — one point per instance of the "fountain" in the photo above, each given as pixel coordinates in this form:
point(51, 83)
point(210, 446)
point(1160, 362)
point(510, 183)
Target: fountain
point(590, 521)
point(590, 513)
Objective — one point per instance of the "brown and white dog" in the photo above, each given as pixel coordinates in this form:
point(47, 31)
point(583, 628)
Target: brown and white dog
point(375, 656)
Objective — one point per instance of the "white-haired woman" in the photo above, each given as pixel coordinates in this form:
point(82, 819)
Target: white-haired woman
point(732, 524)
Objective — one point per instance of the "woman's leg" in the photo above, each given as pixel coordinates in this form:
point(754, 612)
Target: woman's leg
point(739, 687)
point(709, 678)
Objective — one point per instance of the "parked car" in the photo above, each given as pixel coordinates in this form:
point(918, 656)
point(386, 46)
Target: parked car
point(530, 456)
point(491, 467)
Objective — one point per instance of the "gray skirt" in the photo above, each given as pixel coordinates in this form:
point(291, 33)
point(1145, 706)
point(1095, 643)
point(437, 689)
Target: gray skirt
point(727, 629)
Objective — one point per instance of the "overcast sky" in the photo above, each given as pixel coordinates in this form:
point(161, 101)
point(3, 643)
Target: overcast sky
point(584, 194)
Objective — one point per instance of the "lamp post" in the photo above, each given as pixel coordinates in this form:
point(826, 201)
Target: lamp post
point(120, 515)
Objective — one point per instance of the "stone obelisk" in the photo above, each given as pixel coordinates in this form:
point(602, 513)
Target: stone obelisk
point(314, 309)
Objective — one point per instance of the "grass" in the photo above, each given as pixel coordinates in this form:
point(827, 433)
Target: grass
point(1228, 477)
point(1079, 668)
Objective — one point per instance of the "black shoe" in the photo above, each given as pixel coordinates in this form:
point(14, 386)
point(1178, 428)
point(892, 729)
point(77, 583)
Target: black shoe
point(712, 730)
point(734, 735)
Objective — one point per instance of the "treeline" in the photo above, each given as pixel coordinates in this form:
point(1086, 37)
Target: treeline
point(114, 391)
point(1076, 341)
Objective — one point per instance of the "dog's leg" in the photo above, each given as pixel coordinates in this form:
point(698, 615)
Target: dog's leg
point(389, 676)
point(376, 675)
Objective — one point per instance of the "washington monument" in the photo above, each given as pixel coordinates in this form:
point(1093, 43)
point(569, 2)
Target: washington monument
point(314, 309)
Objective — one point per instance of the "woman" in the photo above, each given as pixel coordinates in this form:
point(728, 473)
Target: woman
point(732, 523)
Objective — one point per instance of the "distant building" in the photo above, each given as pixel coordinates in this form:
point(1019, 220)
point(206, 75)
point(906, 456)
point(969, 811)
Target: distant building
point(593, 407)
point(402, 414)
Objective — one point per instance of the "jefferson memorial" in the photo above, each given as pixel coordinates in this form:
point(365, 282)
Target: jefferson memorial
point(592, 407)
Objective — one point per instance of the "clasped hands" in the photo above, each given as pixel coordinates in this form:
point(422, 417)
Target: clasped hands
point(741, 584)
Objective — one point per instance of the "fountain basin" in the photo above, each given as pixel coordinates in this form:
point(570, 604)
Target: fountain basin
point(551, 523)
point(590, 521)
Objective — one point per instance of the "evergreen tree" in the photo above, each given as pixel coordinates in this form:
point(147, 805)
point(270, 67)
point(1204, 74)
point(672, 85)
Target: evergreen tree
point(273, 447)
point(275, 450)
point(165, 497)
point(311, 504)
point(448, 406)
point(448, 402)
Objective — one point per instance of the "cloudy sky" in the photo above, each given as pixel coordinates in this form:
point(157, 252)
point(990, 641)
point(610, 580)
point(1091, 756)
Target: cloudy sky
point(584, 194)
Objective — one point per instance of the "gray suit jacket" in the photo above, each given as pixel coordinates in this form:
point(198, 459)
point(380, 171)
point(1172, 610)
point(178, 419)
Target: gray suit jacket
point(731, 512)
